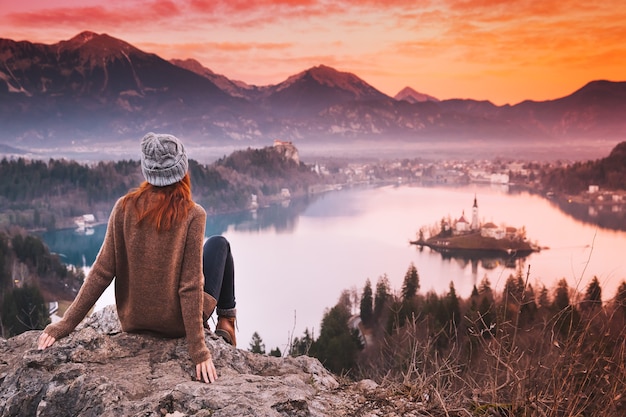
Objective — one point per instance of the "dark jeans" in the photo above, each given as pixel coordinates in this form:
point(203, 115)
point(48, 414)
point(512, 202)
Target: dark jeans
point(219, 271)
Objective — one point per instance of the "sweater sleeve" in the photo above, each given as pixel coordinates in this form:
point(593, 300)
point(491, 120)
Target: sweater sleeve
point(98, 279)
point(191, 287)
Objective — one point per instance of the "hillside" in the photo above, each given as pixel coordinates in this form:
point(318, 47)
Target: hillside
point(608, 173)
point(48, 195)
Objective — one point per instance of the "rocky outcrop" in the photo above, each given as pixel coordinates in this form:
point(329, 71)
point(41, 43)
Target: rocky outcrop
point(287, 150)
point(100, 371)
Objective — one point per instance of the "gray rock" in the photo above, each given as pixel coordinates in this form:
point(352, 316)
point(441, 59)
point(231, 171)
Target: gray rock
point(100, 371)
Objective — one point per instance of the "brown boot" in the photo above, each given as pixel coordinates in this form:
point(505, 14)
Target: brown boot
point(226, 323)
point(208, 306)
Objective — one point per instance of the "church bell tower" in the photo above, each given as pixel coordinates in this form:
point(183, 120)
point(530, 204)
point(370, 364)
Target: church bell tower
point(474, 225)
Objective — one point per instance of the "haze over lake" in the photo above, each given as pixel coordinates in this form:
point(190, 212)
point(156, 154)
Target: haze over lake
point(293, 262)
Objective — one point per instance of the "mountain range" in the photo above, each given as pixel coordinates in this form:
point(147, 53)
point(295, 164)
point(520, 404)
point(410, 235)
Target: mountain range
point(94, 88)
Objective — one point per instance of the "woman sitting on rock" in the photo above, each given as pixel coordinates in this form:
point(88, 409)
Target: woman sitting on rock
point(154, 249)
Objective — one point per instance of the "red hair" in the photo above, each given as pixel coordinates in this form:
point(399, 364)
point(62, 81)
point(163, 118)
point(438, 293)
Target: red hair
point(161, 206)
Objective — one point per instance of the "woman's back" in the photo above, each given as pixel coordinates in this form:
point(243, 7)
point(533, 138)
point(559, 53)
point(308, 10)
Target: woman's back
point(151, 267)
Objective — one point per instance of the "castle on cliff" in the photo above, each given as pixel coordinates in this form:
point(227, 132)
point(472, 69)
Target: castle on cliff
point(288, 150)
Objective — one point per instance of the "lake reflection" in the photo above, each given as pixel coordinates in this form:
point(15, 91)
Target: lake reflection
point(292, 262)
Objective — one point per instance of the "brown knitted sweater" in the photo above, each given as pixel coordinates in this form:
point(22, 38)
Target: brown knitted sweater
point(158, 279)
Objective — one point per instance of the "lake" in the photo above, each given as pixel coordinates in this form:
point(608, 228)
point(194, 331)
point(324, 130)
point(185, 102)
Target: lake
point(293, 261)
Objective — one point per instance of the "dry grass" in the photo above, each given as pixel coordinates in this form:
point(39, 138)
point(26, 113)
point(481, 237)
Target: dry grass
point(557, 365)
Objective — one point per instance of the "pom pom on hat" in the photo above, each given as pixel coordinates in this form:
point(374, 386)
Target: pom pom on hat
point(163, 159)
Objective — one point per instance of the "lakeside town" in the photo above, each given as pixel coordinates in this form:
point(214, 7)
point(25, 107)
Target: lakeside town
point(505, 175)
point(497, 173)
point(522, 175)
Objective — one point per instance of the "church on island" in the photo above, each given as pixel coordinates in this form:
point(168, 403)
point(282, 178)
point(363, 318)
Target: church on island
point(461, 226)
point(462, 235)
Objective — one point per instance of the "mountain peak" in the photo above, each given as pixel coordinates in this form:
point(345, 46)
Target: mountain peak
point(324, 71)
point(333, 78)
point(83, 37)
point(96, 45)
point(329, 77)
point(602, 87)
point(412, 96)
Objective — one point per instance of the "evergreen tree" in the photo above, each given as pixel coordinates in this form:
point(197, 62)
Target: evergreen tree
point(411, 283)
point(453, 307)
point(514, 289)
point(338, 344)
point(474, 295)
point(486, 307)
point(409, 309)
point(484, 288)
point(481, 314)
point(256, 344)
point(543, 300)
point(301, 346)
point(512, 298)
point(445, 229)
point(433, 307)
point(381, 298)
point(393, 321)
point(561, 296)
point(593, 295)
point(567, 316)
point(473, 314)
point(440, 312)
point(276, 352)
point(487, 317)
point(345, 300)
point(367, 311)
point(528, 307)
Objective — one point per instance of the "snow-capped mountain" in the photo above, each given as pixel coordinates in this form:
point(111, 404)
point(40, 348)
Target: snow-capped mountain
point(412, 96)
point(94, 88)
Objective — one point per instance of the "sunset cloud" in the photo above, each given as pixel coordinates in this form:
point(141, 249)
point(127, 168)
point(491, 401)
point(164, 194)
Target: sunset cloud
point(227, 47)
point(483, 49)
point(64, 16)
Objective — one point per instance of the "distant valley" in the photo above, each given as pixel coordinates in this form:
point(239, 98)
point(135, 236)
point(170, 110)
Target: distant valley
point(94, 96)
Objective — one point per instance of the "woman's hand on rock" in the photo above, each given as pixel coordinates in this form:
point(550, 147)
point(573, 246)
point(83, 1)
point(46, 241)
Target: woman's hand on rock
point(45, 340)
point(205, 371)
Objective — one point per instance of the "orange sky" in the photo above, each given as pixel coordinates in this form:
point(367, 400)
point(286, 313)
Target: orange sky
point(504, 51)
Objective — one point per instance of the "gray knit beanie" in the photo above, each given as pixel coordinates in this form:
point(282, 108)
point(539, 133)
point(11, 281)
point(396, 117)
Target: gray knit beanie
point(163, 159)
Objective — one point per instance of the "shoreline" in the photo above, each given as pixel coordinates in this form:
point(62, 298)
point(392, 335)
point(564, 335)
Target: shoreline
point(475, 244)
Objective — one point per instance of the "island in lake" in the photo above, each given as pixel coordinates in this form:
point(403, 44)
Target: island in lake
point(472, 238)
